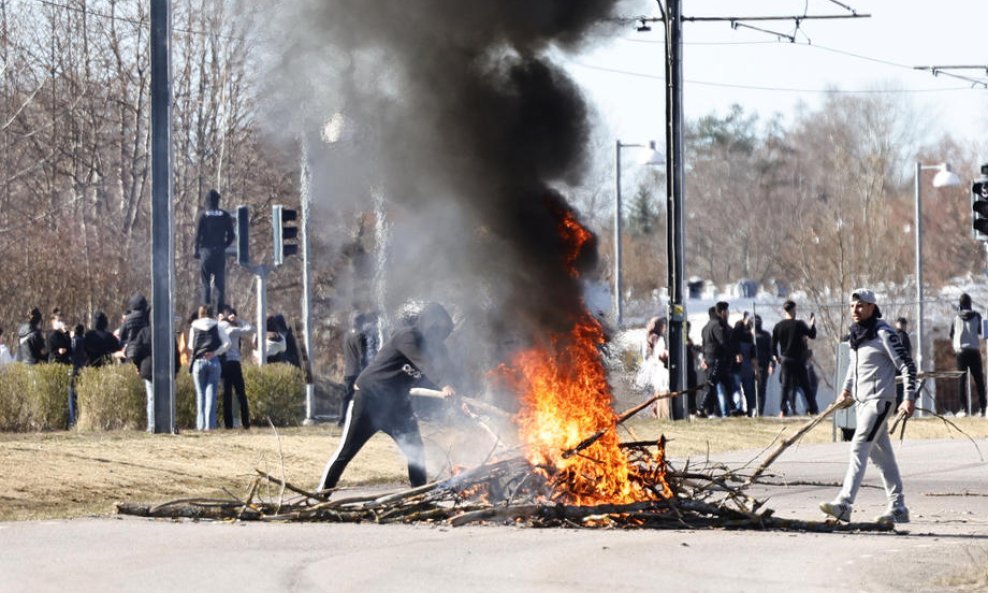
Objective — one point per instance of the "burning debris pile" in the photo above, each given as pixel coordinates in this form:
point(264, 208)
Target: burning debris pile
point(516, 491)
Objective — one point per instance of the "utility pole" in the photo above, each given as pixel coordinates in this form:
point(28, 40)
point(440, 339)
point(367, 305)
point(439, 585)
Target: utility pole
point(162, 222)
point(675, 174)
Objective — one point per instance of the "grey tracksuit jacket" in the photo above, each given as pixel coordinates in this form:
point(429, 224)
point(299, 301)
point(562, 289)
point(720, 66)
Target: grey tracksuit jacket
point(875, 365)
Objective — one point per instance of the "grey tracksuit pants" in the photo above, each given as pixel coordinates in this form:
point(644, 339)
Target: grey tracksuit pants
point(871, 439)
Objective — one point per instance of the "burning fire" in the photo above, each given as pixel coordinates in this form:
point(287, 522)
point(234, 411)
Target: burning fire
point(565, 399)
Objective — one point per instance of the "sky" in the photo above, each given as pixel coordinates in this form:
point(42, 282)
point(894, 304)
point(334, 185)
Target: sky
point(722, 66)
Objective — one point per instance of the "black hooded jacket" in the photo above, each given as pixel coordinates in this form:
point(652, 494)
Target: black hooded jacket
point(142, 354)
point(100, 344)
point(215, 227)
point(414, 356)
point(136, 319)
point(717, 345)
point(57, 340)
point(31, 344)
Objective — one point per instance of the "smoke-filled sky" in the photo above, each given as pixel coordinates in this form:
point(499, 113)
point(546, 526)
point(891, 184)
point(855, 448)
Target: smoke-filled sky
point(455, 114)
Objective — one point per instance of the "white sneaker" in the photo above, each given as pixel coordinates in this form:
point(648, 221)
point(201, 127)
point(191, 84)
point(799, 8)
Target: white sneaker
point(838, 510)
point(894, 515)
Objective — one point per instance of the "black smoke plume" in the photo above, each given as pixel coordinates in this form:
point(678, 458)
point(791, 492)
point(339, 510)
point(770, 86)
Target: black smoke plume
point(458, 115)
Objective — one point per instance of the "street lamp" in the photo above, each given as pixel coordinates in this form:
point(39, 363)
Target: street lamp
point(944, 178)
point(654, 157)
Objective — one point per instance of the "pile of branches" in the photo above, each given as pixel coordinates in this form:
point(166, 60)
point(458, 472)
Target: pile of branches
point(513, 491)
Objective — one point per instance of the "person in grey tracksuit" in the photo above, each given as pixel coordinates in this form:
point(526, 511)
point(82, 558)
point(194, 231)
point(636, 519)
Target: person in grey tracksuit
point(877, 357)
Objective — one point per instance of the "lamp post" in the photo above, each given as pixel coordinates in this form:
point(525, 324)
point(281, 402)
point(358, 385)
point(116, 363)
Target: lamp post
point(944, 178)
point(651, 160)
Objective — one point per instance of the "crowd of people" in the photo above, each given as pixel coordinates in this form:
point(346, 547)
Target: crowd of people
point(738, 360)
point(211, 350)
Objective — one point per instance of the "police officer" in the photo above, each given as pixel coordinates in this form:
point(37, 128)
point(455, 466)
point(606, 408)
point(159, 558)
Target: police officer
point(214, 233)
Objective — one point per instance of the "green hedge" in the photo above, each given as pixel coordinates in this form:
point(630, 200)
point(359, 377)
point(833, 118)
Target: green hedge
point(275, 391)
point(34, 397)
point(113, 397)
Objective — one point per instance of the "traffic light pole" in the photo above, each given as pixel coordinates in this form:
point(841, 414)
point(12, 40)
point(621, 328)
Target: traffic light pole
point(261, 274)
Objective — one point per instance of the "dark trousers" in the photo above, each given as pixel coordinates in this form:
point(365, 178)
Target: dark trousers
point(969, 360)
point(720, 387)
point(369, 413)
point(793, 376)
point(347, 397)
point(212, 271)
point(233, 380)
point(762, 378)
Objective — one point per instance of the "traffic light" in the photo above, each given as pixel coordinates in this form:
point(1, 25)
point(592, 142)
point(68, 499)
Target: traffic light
point(243, 236)
point(285, 232)
point(979, 205)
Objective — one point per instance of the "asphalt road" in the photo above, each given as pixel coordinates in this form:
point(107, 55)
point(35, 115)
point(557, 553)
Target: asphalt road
point(945, 548)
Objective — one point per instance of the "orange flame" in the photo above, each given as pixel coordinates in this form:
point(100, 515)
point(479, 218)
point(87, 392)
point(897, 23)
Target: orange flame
point(566, 398)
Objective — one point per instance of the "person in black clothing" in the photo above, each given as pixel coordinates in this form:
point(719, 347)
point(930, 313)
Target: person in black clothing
point(79, 360)
point(764, 364)
point(413, 356)
point(137, 317)
point(214, 233)
point(902, 330)
point(31, 343)
point(789, 347)
point(59, 342)
point(718, 356)
point(744, 338)
point(355, 360)
point(691, 379)
point(141, 346)
point(100, 344)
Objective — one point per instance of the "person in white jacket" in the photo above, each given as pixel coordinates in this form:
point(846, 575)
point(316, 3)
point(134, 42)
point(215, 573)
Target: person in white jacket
point(207, 343)
point(877, 357)
point(5, 356)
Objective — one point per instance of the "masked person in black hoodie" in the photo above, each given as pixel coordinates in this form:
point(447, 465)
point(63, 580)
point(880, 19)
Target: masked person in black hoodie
point(31, 343)
point(214, 233)
point(414, 356)
point(79, 360)
point(100, 344)
point(137, 318)
point(59, 341)
point(965, 333)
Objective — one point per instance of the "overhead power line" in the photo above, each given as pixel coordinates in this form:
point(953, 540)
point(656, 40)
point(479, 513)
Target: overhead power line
point(945, 70)
point(767, 88)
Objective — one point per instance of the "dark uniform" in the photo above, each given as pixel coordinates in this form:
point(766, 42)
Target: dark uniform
point(414, 356)
point(214, 233)
point(788, 340)
point(718, 351)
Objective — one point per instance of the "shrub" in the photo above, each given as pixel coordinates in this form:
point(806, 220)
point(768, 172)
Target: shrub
point(111, 397)
point(185, 399)
point(34, 397)
point(275, 391)
point(48, 401)
point(14, 384)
